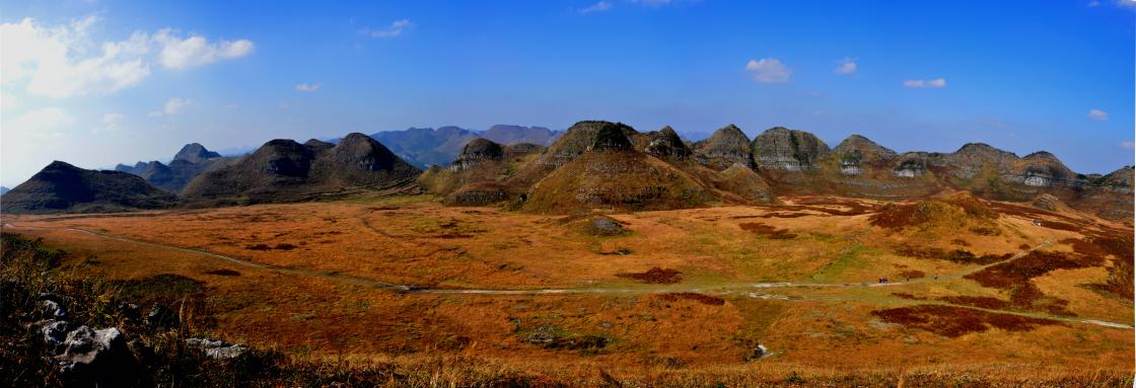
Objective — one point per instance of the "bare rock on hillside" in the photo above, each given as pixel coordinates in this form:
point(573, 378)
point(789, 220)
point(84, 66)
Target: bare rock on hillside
point(727, 146)
point(786, 149)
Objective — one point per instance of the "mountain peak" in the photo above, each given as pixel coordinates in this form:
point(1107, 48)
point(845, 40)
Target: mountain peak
point(195, 153)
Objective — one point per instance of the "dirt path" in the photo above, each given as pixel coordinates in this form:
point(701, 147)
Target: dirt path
point(745, 289)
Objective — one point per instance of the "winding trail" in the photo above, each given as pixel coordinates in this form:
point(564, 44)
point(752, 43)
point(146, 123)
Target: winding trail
point(746, 289)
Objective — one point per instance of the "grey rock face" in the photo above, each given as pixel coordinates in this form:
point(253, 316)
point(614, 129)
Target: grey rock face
point(49, 309)
point(605, 226)
point(54, 333)
point(728, 145)
point(788, 150)
point(611, 138)
point(195, 153)
point(857, 152)
point(84, 347)
point(666, 144)
point(216, 349)
point(476, 152)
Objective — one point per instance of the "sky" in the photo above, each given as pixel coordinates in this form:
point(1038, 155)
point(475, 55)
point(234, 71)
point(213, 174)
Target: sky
point(96, 83)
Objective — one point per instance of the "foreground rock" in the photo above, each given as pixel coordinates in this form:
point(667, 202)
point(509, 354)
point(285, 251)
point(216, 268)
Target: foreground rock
point(215, 349)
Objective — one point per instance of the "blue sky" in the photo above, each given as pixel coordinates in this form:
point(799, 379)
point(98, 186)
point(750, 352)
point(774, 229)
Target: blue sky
point(99, 82)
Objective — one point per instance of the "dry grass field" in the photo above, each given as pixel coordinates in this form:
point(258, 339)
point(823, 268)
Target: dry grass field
point(950, 290)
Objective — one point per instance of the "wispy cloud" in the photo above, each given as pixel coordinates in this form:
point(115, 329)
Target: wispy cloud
point(936, 83)
point(768, 70)
point(184, 52)
point(112, 121)
point(307, 88)
point(846, 66)
point(172, 107)
point(395, 29)
point(597, 7)
point(653, 3)
point(1127, 144)
point(57, 61)
point(1097, 114)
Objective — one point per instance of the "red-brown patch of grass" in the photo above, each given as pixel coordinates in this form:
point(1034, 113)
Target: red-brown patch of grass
point(907, 295)
point(654, 275)
point(903, 215)
point(700, 298)
point(985, 302)
point(768, 231)
point(784, 215)
point(951, 321)
point(1058, 225)
point(912, 274)
point(1119, 247)
point(1015, 276)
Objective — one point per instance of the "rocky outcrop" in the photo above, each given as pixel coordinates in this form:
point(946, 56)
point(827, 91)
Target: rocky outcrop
point(216, 349)
point(61, 187)
point(605, 226)
point(283, 170)
point(911, 165)
point(1047, 202)
point(666, 144)
point(195, 153)
point(857, 153)
point(611, 174)
point(477, 152)
point(726, 147)
point(576, 141)
point(972, 159)
point(191, 160)
point(610, 138)
point(1040, 169)
point(783, 149)
point(318, 145)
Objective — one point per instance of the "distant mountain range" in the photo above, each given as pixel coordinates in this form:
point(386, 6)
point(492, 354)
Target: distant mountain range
point(425, 147)
point(190, 161)
point(594, 164)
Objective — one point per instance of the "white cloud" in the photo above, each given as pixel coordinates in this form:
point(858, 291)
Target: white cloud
point(49, 61)
point(936, 83)
point(846, 66)
point(39, 124)
point(597, 7)
point(65, 60)
point(1126, 3)
point(307, 88)
point(172, 107)
point(768, 70)
point(1094, 3)
point(395, 29)
point(180, 53)
point(1097, 114)
point(113, 120)
point(1127, 144)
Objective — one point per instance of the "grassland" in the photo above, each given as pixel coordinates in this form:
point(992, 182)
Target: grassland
point(838, 291)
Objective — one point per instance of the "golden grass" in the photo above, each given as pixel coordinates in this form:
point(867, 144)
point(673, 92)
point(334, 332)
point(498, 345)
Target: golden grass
point(311, 305)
